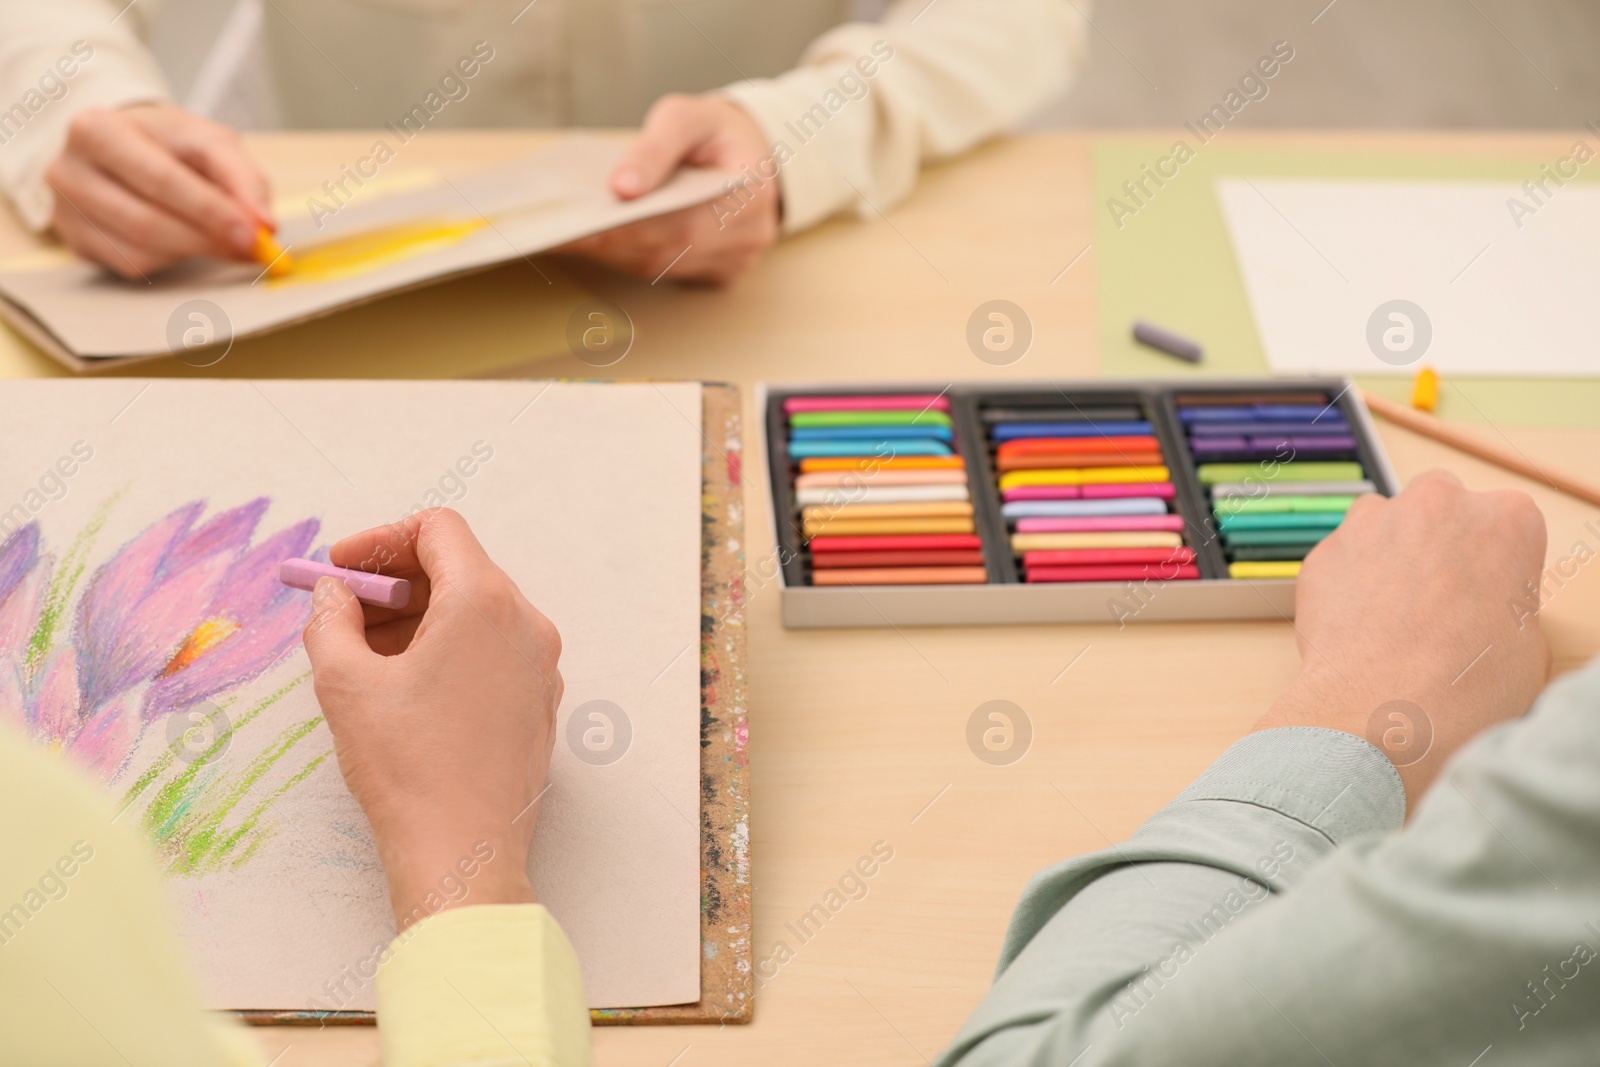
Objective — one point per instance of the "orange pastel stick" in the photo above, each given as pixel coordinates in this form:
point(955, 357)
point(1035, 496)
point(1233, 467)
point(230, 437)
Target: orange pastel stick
point(902, 576)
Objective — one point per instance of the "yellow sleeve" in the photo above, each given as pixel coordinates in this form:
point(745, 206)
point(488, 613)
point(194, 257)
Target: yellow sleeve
point(489, 985)
point(91, 974)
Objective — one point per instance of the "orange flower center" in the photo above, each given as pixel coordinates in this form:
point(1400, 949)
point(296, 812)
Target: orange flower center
point(204, 636)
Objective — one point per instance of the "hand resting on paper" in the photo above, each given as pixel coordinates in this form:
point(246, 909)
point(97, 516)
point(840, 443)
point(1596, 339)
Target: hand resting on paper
point(708, 243)
point(442, 712)
point(1416, 625)
point(146, 186)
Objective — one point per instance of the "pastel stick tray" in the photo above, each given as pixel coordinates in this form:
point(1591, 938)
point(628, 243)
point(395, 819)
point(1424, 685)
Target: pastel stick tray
point(1006, 597)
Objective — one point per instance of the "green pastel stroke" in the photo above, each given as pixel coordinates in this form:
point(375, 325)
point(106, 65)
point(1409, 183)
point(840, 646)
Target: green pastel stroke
point(187, 813)
point(65, 581)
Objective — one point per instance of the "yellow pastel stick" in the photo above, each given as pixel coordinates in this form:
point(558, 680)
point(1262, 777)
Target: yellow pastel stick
point(271, 255)
point(875, 527)
point(1425, 390)
point(1271, 568)
point(1032, 542)
point(1084, 476)
point(942, 509)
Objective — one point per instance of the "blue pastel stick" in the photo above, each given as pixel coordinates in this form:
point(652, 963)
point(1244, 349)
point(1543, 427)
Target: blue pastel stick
point(1014, 431)
point(1298, 412)
point(1330, 427)
point(1217, 414)
point(876, 433)
point(875, 447)
point(1064, 509)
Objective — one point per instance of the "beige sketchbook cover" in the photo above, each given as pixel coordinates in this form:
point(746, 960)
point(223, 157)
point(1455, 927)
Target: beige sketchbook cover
point(371, 246)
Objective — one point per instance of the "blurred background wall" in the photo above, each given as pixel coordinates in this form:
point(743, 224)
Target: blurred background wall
point(1357, 63)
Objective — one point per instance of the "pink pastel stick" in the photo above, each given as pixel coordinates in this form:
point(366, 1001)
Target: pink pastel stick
point(1121, 490)
point(1099, 523)
point(866, 403)
point(369, 588)
point(1043, 492)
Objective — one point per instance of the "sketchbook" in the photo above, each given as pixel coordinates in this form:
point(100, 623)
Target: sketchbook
point(351, 249)
point(141, 529)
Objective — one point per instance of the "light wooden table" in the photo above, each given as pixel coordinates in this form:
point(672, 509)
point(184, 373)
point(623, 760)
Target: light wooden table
point(859, 736)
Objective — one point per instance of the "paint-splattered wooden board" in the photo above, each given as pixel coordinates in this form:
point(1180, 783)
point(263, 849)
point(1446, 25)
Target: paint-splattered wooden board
point(727, 982)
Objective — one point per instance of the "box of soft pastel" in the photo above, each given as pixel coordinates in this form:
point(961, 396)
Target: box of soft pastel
point(973, 503)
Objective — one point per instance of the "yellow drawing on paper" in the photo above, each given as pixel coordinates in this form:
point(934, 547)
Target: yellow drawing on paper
point(346, 257)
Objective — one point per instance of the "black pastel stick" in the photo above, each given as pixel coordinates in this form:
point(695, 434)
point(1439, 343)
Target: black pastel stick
point(1167, 341)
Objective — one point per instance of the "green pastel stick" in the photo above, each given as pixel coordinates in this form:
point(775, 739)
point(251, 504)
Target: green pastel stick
point(1282, 521)
point(1212, 473)
point(1244, 505)
point(869, 418)
point(1274, 537)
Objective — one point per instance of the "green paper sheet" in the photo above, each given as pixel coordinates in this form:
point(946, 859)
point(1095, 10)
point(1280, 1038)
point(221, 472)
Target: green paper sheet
point(1171, 263)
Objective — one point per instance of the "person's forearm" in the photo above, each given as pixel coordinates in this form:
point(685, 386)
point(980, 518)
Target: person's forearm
point(57, 58)
point(1101, 938)
point(1477, 926)
point(870, 103)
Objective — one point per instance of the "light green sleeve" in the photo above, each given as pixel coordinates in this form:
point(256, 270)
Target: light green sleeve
point(1277, 914)
point(491, 985)
point(91, 973)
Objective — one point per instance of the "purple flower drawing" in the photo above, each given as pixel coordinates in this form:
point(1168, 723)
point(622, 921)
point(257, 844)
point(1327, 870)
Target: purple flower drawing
point(186, 611)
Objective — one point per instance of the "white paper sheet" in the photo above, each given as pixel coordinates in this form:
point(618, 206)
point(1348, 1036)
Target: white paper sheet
point(1505, 290)
point(587, 495)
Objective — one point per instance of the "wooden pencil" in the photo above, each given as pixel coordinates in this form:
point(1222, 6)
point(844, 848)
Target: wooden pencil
point(1474, 445)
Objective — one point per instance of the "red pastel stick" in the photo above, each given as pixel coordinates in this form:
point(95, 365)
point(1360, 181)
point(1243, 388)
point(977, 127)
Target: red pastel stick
point(1114, 573)
point(963, 557)
point(893, 542)
point(1030, 445)
point(898, 402)
point(1075, 557)
point(1053, 460)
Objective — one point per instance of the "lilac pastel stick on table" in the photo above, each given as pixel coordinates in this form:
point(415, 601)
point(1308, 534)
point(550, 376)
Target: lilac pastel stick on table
point(376, 589)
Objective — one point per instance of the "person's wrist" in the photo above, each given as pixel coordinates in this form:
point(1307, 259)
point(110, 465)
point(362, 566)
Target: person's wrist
point(427, 876)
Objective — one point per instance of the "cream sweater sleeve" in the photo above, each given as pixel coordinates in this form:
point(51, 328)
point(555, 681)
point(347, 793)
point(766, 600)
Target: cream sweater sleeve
point(871, 102)
point(56, 58)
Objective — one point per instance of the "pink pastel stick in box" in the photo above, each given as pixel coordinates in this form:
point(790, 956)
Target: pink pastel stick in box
point(376, 589)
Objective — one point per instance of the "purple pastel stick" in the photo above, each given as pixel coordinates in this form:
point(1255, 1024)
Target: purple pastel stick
point(373, 589)
point(1302, 444)
point(1208, 446)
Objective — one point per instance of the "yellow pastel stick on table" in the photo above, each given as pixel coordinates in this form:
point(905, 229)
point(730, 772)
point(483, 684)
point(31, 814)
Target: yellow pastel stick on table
point(1267, 568)
point(1425, 390)
point(1084, 476)
point(271, 255)
point(875, 527)
point(1033, 542)
point(943, 509)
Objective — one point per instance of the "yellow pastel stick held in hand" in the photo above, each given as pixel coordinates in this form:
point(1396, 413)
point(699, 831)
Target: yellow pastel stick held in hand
point(271, 255)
